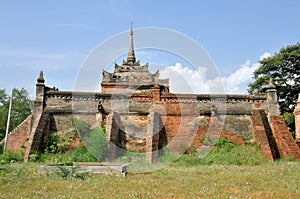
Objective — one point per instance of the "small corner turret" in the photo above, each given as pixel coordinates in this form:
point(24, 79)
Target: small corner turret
point(41, 79)
point(40, 86)
point(272, 100)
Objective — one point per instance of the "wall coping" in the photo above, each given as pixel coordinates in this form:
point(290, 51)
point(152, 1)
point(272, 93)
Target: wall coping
point(91, 96)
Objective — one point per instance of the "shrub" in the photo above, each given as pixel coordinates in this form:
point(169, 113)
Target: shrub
point(226, 153)
point(11, 157)
point(70, 172)
point(79, 154)
point(51, 143)
point(60, 141)
point(1, 147)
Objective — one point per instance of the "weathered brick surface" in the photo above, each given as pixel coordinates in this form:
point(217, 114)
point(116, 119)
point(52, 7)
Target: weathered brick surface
point(179, 115)
point(135, 126)
point(263, 135)
point(17, 139)
point(38, 135)
point(115, 135)
point(286, 144)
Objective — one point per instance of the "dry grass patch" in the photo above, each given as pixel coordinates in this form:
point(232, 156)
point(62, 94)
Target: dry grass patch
point(277, 180)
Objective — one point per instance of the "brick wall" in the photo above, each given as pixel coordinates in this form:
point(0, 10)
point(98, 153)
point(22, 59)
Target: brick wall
point(177, 112)
point(38, 136)
point(17, 139)
point(263, 135)
point(286, 144)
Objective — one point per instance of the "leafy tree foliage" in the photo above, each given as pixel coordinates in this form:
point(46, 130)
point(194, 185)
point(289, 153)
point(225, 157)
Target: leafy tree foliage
point(284, 69)
point(21, 108)
point(3, 112)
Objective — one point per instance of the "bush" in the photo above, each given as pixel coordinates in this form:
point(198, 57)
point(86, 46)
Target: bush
point(70, 172)
point(1, 147)
point(51, 143)
point(226, 153)
point(11, 158)
point(79, 154)
point(60, 141)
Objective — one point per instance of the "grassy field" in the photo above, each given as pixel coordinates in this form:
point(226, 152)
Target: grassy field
point(229, 171)
point(270, 180)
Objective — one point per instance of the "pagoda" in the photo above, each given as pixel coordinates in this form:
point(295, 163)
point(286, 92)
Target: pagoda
point(131, 76)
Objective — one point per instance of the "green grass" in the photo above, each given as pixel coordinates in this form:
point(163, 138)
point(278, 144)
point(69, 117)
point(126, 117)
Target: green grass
point(229, 171)
point(226, 155)
point(270, 180)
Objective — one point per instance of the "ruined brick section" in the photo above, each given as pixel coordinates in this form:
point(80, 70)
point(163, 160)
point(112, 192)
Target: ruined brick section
point(38, 135)
point(263, 135)
point(286, 144)
point(19, 136)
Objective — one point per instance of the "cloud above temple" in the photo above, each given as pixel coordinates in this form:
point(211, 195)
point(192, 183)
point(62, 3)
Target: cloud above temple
point(189, 80)
point(184, 79)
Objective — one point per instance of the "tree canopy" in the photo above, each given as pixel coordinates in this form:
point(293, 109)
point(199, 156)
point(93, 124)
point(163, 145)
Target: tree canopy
point(21, 108)
point(284, 69)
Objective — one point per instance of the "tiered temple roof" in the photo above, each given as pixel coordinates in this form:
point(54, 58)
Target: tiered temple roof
point(131, 75)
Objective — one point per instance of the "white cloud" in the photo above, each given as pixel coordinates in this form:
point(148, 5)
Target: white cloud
point(186, 80)
point(239, 77)
point(265, 55)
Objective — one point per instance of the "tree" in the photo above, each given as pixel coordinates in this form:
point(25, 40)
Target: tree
point(21, 108)
point(284, 69)
point(3, 112)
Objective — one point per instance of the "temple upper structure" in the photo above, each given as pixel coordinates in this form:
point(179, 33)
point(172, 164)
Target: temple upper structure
point(131, 76)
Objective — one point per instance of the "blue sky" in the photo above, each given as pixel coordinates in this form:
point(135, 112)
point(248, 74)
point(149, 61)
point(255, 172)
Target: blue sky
point(57, 36)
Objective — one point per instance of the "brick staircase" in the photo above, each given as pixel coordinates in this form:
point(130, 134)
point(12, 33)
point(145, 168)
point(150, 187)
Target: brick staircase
point(19, 136)
point(275, 141)
point(263, 135)
point(287, 146)
point(39, 129)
